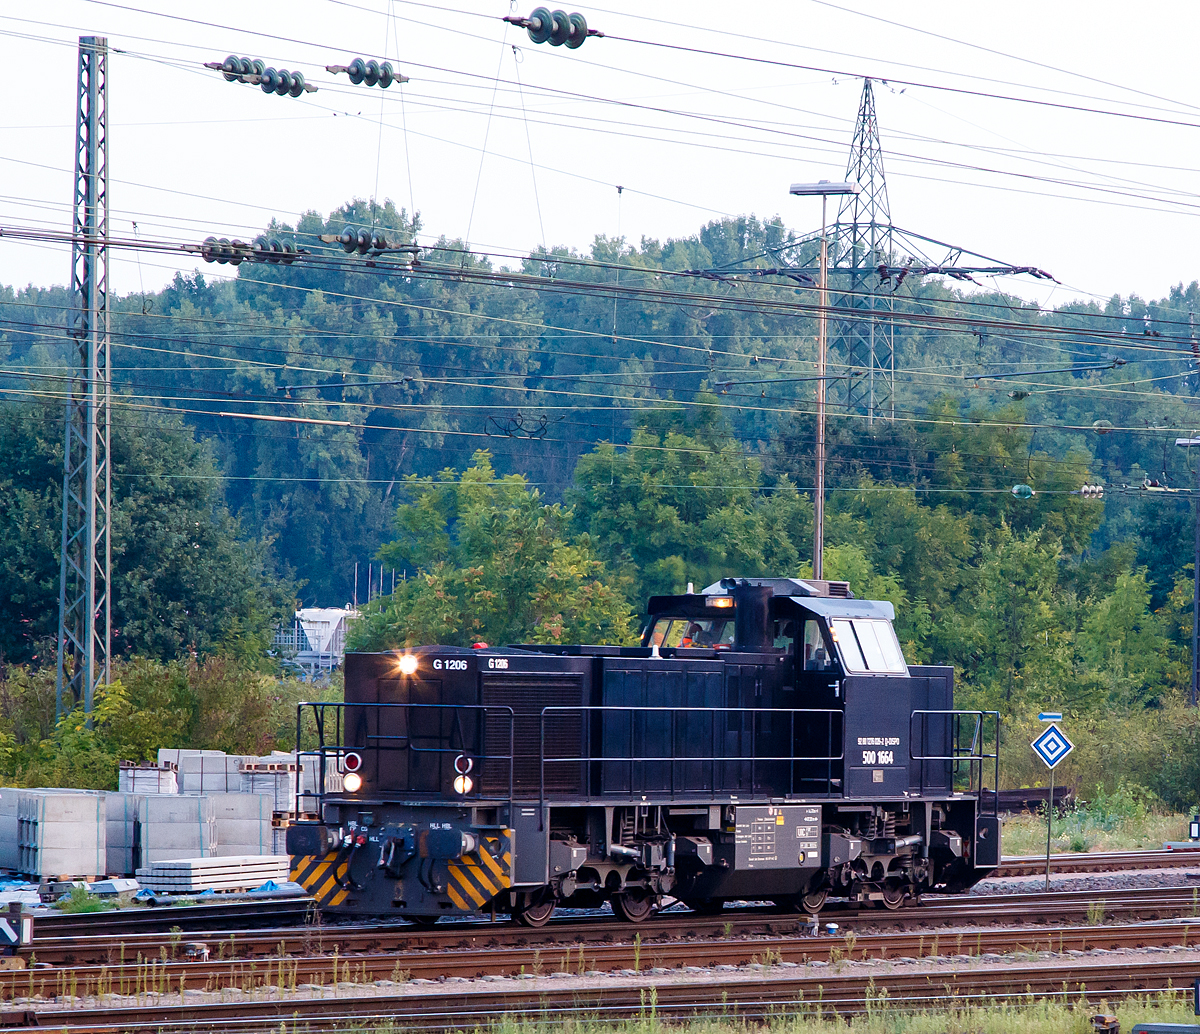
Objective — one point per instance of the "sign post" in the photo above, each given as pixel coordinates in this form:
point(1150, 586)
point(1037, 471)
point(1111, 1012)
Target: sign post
point(1051, 746)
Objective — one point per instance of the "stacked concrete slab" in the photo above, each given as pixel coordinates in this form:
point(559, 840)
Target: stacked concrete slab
point(242, 823)
point(122, 850)
point(8, 828)
point(144, 829)
point(175, 826)
point(188, 804)
point(185, 875)
point(206, 771)
point(147, 777)
point(275, 778)
point(61, 833)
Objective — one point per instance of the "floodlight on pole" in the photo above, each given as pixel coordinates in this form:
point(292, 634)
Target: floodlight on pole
point(822, 189)
point(1187, 443)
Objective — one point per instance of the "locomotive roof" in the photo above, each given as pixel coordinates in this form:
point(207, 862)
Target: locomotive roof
point(785, 587)
point(834, 608)
point(824, 605)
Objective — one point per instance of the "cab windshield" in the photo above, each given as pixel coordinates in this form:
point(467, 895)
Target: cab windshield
point(868, 645)
point(714, 634)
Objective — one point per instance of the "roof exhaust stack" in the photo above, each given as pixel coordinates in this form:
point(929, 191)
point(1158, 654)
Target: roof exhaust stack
point(752, 616)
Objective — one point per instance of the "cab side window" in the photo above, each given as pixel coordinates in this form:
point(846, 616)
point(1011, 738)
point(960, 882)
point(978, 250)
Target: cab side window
point(785, 636)
point(815, 651)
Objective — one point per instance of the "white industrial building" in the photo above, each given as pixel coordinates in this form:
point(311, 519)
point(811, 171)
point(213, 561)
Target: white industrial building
point(316, 640)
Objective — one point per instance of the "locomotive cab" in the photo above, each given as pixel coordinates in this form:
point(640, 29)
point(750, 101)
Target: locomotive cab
point(766, 740)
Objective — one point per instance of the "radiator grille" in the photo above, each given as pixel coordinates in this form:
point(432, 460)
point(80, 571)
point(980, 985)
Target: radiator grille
point(527, 695)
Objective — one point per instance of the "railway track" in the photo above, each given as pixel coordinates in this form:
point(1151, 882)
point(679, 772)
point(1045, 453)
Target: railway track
point(1099, 861)
point(779, 991)
point(655, 954)
point(244, 915)
point(931, 917)
point(225, 918)
point(166, 975)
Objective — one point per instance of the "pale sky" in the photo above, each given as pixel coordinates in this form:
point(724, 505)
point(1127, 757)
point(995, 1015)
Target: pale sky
point(1107, 204)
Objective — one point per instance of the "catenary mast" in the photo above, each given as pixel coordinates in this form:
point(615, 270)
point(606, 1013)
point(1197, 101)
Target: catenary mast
point(84, 622)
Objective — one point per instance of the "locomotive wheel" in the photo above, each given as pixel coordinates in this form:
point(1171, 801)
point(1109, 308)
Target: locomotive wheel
point(812, 902)
point(893, 896)
point(705, 906)
point(635, 905)
point(535, 909)
point(422, 920)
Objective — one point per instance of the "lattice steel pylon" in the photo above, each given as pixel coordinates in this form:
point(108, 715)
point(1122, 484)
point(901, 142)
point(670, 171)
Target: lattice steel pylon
point(84, 621)
point(861, 241)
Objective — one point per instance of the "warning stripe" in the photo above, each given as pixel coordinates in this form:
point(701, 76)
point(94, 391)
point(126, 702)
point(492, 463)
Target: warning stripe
point(500, 874)
point(327, 888)
point(309, 874)
point(478, 877)
point(318, 876)
point(459, 876)
point(303, 865)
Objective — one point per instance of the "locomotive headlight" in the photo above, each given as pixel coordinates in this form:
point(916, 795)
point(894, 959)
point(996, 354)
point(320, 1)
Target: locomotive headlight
point(352, 782)
point(463, 784)
point(408, 664)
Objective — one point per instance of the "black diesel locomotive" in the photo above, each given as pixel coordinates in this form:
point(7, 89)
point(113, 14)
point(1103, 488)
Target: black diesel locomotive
point(767, 741)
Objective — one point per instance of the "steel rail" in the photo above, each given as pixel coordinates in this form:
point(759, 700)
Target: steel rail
point(1099, 861)
point(807, 993)
point(155, 974)
point(1058, 906)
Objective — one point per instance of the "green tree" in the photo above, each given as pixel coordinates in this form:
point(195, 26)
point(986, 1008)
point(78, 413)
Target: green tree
point(213, 703)
point(1126, 643)
point(683, 503)
point(1007, 638)
point(184, 577)
point(494, 563)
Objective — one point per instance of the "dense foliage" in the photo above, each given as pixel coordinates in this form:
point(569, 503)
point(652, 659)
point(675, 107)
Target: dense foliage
point(494, 564)
point(217, 704)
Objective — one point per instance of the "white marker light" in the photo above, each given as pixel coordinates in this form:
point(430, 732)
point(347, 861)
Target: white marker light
point(463, 784)
point(352, 782)
point(408, 664)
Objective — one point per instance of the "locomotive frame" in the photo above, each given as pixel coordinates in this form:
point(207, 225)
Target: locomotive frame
point(766, 741)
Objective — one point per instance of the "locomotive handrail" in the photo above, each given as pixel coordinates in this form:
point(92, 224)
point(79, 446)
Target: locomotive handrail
point(712, 759)
point(380, 741)
point(975, 753)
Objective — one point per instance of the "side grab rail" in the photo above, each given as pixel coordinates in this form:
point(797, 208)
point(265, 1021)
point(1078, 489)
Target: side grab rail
point(834, 743)
point(973, 753)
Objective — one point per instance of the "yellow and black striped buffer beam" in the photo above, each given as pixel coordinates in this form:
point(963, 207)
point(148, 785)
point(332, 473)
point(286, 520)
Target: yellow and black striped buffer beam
point(318, 876)
point(478, 877)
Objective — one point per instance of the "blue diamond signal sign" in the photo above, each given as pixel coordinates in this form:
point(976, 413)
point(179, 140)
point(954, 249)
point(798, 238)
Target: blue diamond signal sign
point(1052, 746)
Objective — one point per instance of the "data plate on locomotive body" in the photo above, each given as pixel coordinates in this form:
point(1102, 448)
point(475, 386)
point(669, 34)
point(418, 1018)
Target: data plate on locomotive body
point(778, 837)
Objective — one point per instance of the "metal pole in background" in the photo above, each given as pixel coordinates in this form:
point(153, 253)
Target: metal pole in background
point(1196, 598)
point(1187, 443)
point(84, 620)
point(823, 188)
point(1049, 825)
point(819, 490)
